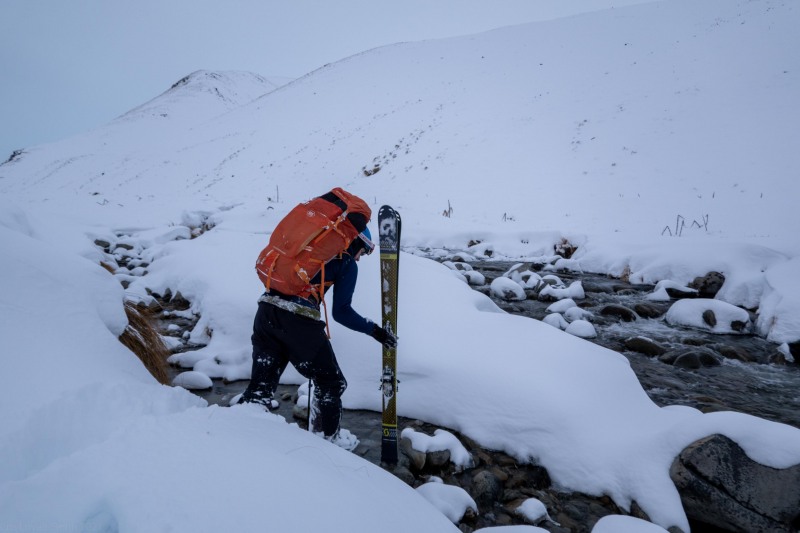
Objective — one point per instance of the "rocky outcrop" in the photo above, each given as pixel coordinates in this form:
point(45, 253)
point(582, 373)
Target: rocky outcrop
point(722, 487)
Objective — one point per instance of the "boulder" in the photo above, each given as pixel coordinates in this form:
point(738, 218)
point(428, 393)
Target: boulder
point(777, 358)
point(721, 486)
point(697, 359)
point(736, 352)
point(416, 457)
point(709, 317)
point(486, 488)
point(739, 326)
point(619, 311)
point(794, 349)
point(644, 346)
point(437, 459)
point(180, 303)
point(300, 411)
point(648, 310)
point(678, 293)
point(709, 285)
point(691, 358)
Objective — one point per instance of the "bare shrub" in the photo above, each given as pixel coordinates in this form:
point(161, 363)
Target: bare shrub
point(565, 249)
point(142, 338)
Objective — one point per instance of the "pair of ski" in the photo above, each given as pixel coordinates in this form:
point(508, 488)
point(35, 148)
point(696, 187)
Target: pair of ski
point(389, 240)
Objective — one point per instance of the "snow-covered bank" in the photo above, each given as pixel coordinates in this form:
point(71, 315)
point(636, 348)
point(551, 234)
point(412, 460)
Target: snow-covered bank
point(90, 442)
point(578, 408)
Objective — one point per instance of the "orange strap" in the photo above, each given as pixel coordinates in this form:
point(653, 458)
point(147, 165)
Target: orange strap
point(322, 297)
point(270, 270)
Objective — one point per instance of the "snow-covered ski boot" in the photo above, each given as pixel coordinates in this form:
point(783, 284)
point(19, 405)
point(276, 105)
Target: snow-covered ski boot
point(344, 439)
point(268, 403)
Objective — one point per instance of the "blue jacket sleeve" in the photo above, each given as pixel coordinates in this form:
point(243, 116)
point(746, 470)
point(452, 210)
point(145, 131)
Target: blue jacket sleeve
point(343, 287)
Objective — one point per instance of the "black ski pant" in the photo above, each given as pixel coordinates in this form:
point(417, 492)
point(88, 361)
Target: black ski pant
point(281, 337)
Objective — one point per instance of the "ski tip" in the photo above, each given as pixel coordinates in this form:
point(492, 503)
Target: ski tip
point(388, 212)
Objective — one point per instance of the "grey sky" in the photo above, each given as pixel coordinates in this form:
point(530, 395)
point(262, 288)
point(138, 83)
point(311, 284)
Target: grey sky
point(70, 65)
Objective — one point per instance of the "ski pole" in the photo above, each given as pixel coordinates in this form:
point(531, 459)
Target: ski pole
point(309, 405)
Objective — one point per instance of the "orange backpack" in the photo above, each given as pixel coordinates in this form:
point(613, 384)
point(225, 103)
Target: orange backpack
point(309, 236)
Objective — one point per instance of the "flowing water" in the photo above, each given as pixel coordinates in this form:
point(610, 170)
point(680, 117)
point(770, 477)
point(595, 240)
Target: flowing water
point(768, 391)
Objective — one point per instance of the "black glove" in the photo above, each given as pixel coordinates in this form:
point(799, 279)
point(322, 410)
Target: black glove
point(384, 337)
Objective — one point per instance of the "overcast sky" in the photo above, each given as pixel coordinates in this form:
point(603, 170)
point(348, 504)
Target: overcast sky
point(70, 65)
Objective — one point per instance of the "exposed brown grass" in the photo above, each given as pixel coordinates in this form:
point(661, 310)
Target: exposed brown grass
point(142, 338)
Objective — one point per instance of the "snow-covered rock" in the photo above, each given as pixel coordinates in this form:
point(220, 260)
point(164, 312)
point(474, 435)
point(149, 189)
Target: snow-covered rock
point(533, 510)
point(713, 315)
point(561, 306)
point(660, 293)
point(441, 440)
point(576, 313)
point(625, 524)
point(738, 501)
point(574, 291)
point(581, 328)
point(452, 501)
point(474, 277)
point(193, 380)
point(556, 320)
point(522, 274)
point(507, 289)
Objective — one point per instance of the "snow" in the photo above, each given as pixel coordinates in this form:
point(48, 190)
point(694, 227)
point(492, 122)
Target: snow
point(636, 117)
point(533, 510)
point(452, 501)
point(625, 524)
point(511, 529)
point(779, 312)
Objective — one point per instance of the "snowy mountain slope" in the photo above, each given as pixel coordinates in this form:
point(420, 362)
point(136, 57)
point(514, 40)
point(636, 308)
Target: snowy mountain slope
point(691, 115)
point(129, 144)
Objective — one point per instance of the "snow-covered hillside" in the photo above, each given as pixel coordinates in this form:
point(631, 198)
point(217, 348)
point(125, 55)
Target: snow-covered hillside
point(602, 129)
point(600, 122)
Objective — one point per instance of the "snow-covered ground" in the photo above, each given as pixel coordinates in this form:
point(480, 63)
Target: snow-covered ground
point(657, 138)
